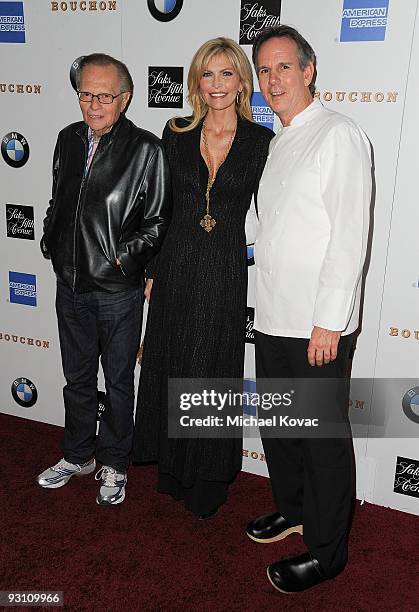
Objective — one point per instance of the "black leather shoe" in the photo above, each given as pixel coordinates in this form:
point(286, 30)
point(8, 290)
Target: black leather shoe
point(271, 528)
point(295, 574)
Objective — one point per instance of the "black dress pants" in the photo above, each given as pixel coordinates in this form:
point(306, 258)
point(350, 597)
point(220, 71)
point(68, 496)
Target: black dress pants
point(312, 479)
point(94, 325)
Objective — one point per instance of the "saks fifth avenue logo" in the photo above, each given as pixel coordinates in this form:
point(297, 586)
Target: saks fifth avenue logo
point(19, 221)
point(255, 16)
point(84, 5)
point(101, 404)
point(357, 96)
point(165, 87)
point(406, 478)
point(404, 333)
point(19, 88)
point(250, 336)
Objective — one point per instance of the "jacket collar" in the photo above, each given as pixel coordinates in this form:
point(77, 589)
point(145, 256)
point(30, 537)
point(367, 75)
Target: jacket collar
point(109, 136)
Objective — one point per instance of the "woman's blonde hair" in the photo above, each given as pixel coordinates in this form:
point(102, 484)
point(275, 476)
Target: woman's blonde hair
point(198, 65)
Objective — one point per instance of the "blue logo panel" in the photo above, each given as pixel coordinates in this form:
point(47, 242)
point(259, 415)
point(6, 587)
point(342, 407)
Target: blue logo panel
point(249, 388)
point(12, 22)
point(261, 112)
point(22, 288)
point(364, 20)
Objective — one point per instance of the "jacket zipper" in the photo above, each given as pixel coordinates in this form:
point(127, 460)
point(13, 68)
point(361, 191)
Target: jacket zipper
point(83, 182)
point(75, 236)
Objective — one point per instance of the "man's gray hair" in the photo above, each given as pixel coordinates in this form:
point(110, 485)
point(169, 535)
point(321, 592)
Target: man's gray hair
point(101, 59)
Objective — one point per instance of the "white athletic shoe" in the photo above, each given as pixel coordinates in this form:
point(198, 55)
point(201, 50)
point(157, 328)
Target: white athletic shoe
point(59, 474)
point(112, 486)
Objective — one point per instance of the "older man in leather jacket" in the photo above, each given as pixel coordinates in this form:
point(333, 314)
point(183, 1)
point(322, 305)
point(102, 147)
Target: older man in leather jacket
point(109, 211)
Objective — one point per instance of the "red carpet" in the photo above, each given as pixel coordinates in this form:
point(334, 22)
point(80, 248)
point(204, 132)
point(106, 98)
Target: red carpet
point(150, 554)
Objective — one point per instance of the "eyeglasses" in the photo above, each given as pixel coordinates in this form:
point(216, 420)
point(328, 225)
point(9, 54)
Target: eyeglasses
point(102, 98)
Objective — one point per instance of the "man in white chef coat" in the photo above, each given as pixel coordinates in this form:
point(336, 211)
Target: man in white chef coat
point(313, 204)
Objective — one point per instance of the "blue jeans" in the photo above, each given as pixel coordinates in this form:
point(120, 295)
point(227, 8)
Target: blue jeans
point(97, 325)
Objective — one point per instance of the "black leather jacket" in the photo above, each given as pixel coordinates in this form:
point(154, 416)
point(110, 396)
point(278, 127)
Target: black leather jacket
point(121, 208)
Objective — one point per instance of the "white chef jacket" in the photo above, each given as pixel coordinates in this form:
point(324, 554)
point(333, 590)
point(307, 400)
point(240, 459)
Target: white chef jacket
point(314, 207)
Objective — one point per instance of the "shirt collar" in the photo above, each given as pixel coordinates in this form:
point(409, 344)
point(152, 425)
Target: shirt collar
point(90, 136)
point(84, 130)
point(306, 115)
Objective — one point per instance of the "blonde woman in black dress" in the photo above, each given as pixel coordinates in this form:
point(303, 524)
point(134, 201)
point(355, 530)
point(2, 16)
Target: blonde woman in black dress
point(197, 286)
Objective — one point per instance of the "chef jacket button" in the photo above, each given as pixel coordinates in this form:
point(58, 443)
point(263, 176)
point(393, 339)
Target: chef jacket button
point(282, 183)
point(277, 212)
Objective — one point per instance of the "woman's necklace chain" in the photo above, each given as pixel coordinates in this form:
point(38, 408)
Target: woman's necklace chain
point(208, 222)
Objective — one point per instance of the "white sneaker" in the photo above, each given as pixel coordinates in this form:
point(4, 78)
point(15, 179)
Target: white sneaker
point(112, 486)
point(59, 474)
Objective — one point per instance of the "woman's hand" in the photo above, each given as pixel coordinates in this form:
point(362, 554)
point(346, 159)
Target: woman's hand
point(148, 287)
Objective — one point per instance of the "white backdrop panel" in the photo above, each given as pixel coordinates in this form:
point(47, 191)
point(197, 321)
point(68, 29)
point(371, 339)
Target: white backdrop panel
point(55, 38)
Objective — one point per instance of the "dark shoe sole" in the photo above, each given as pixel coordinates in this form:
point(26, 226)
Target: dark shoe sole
point(280, 536)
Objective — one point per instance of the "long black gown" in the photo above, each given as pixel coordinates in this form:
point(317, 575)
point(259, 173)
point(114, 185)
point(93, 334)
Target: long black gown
point(197, 312)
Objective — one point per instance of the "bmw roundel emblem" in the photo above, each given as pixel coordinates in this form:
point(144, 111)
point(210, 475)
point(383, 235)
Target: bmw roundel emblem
point(24, 392)
point(15, 149)
point(74, 70)
point(410, 404)
point(165, 10)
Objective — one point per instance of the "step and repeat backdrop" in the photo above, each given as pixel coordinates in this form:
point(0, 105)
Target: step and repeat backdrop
point(368, 68)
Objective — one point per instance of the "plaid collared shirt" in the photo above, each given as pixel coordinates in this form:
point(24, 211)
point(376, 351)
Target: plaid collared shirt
point(93, 143)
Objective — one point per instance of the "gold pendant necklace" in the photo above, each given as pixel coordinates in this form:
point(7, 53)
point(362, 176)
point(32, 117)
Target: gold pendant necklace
point(208, 222)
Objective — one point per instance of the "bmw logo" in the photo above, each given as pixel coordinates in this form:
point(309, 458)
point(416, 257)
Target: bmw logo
point(164, 10)
point(74, 70)
point(24, 392)
point(15, 149)
point(410, 404)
